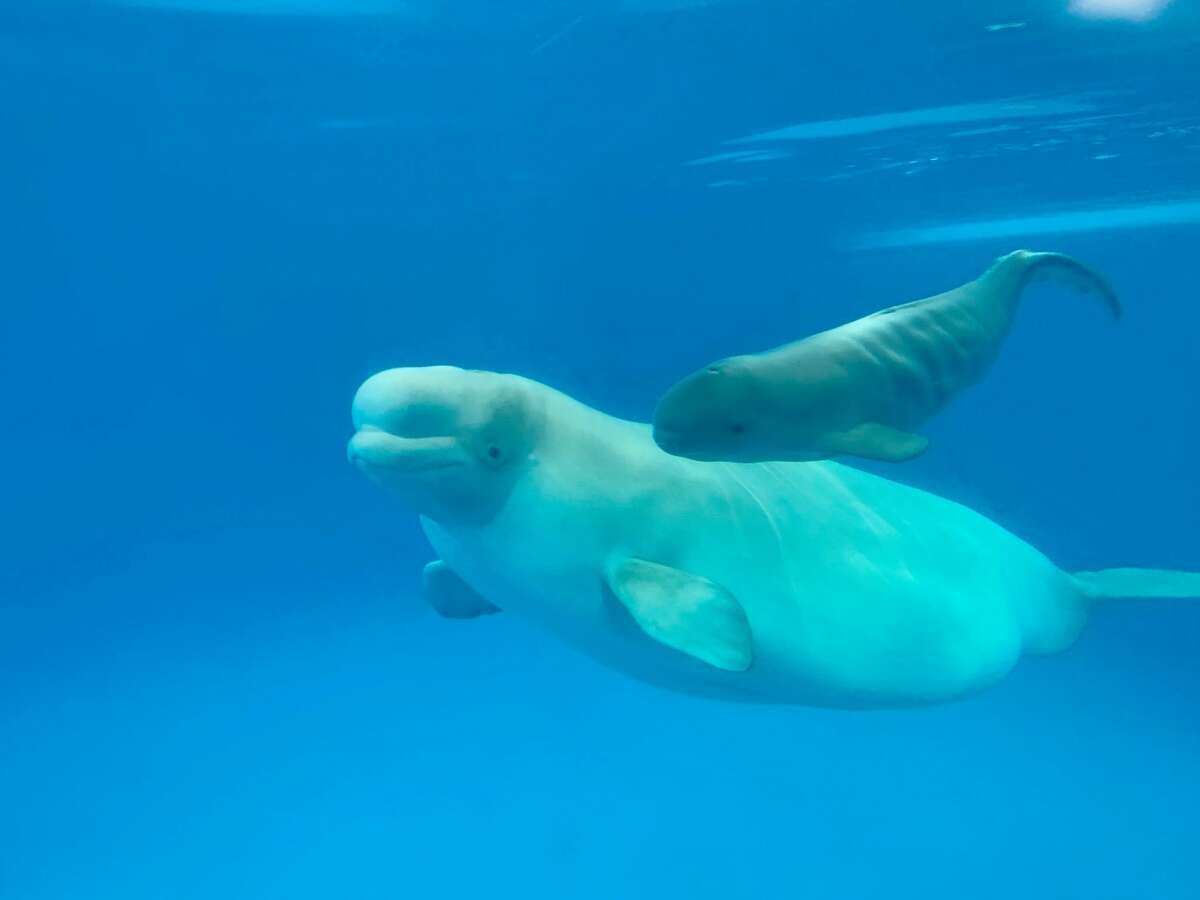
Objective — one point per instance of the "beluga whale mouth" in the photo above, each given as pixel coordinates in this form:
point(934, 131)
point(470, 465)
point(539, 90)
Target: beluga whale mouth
point(404, 427)
point(374, 448)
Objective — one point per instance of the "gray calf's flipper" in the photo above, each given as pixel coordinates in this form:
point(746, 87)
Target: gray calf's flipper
point(872, 440)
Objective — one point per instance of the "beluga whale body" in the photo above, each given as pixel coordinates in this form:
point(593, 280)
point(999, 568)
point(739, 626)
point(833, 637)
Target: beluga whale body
point(798, 583)
point(860, 389)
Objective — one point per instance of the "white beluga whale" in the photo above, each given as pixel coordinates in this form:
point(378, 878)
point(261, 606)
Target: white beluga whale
point(803, 583)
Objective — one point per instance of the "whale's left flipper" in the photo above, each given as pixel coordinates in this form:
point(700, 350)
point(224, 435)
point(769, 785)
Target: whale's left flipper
point(450, 595)
point(1109, 584)
point(684, 611)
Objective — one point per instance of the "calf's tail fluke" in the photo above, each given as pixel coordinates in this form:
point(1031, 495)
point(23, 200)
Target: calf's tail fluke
point(1109, 584)
point(1022, 268)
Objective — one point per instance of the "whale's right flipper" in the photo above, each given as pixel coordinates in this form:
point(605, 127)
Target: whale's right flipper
point(450, 595)
point(1108, 584)
point(872, 440)
point(684, 611)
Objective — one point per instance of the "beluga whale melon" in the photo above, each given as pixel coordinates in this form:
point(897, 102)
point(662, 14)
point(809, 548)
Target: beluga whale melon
point(863, 388)
point(797, 583)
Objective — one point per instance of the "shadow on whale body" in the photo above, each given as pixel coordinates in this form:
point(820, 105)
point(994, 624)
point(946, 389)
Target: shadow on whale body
point(805, 583)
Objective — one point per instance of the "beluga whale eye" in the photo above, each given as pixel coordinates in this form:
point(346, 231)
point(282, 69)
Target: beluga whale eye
point(493, 454)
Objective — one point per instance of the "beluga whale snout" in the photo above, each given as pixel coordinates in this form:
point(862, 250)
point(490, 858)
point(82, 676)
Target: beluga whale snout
point(447, 440)
point(712, 414)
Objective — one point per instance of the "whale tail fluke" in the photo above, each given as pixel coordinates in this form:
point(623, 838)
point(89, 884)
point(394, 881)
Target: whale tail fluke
point(1108, 584)
point(1026, 267)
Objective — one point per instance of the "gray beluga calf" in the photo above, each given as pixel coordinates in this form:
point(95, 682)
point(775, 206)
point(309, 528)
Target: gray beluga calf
point(862, 388)
point(805, 583)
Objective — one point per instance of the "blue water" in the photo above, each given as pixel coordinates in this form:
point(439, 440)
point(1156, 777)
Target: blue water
point(218, 677)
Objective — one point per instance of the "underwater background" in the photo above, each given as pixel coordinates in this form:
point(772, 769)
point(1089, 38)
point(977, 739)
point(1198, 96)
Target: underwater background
point(218, 676)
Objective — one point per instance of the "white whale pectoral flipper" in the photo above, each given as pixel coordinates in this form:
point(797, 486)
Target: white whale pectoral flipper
point(684, 611)
point(450, 596)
